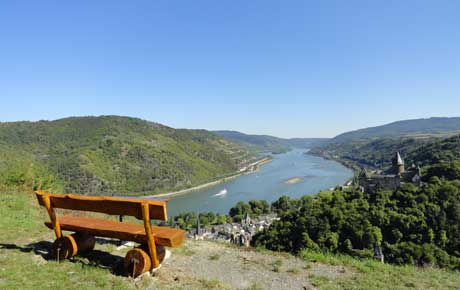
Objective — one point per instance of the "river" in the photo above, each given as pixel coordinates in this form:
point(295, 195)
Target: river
point(293, 174)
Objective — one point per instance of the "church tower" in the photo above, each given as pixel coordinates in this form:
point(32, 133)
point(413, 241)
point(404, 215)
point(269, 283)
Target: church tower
point(198, 225)
point(398, 164)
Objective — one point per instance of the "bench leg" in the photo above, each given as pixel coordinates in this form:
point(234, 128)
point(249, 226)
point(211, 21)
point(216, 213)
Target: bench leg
point(150, 237)
point(69, 246)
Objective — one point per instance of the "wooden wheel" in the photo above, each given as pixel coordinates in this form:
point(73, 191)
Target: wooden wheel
point(72, 245)
point(136, 262)
point(64, 248)
point(161, 252)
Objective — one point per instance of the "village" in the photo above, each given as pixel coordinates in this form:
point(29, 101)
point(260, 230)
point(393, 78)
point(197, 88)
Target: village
point(239, 234)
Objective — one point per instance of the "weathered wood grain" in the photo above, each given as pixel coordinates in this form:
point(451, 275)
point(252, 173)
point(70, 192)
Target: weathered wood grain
point(136, 262)
point(105, 204)
point(150, 235)
point(69, 246)
point(52, 214)
point(164, 236)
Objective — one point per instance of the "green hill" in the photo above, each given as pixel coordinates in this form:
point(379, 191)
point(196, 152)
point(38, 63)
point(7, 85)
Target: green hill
point(445, 150)
point(112, 154)
point(269, 143)
point(416, 127)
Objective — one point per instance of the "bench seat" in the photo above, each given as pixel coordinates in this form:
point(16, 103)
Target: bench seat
point(164, 236)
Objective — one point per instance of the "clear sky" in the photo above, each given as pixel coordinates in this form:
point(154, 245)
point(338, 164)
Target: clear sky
point(286, 68)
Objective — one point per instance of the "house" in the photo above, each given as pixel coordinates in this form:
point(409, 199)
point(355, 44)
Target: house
point(237, 233)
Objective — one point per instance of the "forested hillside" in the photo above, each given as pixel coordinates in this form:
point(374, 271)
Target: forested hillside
point(416, 127)
point(377, 153)
point(112, 154)
point(418, 226)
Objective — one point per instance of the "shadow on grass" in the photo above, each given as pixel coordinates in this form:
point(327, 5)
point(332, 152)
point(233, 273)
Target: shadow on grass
point(94, 258)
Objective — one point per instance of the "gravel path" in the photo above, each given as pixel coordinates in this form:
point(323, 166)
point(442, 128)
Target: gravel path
point(211, 265)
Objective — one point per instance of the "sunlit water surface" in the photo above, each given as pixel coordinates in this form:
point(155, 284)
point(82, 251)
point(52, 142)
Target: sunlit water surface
point(268, 183)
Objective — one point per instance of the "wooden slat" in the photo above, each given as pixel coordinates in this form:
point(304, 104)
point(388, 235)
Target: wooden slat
point(164, 236)
point(105, 204)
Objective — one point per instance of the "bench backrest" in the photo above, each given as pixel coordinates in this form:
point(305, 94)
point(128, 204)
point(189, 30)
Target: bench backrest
point(105, 204)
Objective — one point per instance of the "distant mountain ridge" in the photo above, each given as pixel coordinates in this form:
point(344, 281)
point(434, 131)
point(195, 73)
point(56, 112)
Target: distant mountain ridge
point(269, 143)
point(435, 125)
point(420, 141)
point(113, 154)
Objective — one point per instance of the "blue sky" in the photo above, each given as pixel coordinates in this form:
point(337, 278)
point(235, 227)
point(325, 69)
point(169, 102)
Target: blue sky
point(286, 68)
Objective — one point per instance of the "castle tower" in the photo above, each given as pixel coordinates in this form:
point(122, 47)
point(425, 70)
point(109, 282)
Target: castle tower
point(398, 164)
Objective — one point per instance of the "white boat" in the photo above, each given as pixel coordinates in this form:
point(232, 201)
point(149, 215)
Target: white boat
point(221, 193)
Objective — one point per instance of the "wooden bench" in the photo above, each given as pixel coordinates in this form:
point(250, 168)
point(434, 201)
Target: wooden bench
point(153, 239)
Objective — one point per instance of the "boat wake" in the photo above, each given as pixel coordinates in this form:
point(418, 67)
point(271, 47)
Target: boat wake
point(221, 193)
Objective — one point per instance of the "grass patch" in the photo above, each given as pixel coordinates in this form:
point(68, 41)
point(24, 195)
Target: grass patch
point(321, 281)
point(307, 266)
point(25, 271)
point(184, 250)
point(373, 275)
point(293, 271)
point(211, 284)
point(276, 265)
point(21, 216)
point(21, 263)
point(214, 257)
point(255, 286)
point(263, 250)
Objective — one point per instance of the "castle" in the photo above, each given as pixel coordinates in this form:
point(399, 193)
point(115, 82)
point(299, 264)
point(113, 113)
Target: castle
point(391, 179)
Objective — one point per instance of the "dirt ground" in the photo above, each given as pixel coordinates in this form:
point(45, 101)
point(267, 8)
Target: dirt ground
point(203, 264)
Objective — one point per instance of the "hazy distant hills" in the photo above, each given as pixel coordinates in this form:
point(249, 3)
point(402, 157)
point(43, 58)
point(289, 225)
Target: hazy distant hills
point(413, 128)
point(417, 128)
point(112, 154)
point(270, 143)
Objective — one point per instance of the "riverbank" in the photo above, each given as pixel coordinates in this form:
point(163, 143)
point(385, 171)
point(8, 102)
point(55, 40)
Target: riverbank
point(251, 168)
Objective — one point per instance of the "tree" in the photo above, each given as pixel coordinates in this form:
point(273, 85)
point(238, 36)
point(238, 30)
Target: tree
point(283, 204)
point(419, 226)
